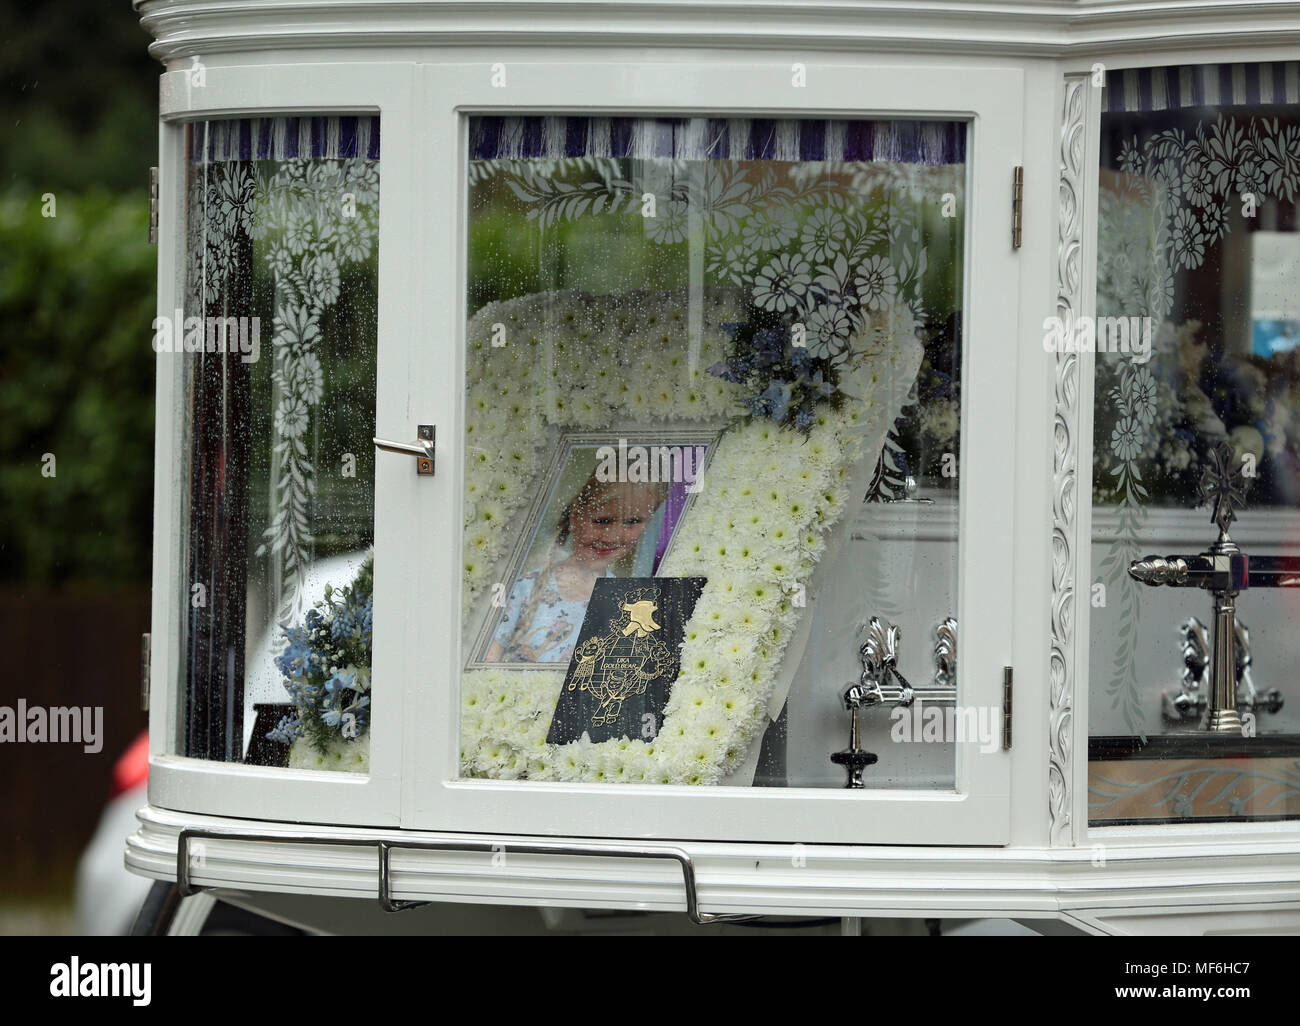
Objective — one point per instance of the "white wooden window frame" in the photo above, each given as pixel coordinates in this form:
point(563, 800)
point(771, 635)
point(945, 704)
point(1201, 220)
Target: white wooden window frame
point(178, 782)
point(1077, 243)
point(414, 736)
point(978, 810)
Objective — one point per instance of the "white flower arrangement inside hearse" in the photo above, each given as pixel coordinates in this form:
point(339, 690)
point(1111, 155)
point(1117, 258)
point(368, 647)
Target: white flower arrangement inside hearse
point(777, 482)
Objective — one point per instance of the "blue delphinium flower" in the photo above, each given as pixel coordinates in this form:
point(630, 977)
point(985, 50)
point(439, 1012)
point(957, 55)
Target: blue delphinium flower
point(773, 402)
point(294, 661)
point(768, 347)
point(339, 681)
point(289, 728)
point(367, 623)
point(735, 370)
point(786, 381)
point(343, 625)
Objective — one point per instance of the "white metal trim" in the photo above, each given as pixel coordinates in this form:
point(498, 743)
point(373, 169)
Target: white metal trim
point(767, 879)
point(1043, 28)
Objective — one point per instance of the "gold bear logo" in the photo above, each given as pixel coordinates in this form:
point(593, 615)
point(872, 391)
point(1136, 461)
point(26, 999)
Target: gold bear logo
point(641, 617)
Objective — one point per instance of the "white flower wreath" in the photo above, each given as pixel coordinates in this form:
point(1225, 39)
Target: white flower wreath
point(756, 531)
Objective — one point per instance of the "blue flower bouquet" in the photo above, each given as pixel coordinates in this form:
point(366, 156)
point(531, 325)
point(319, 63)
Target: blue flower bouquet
point(326, 665)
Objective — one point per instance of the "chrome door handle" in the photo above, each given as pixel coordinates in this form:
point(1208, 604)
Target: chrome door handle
point(422, 450)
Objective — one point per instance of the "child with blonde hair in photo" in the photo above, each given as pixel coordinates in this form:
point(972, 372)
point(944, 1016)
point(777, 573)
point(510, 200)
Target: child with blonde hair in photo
point(599, 527)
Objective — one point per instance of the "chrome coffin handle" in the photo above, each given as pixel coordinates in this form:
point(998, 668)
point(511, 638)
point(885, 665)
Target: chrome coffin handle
point(882, 683)
point(422, 450)
point(1189, 702)
point(945, 654)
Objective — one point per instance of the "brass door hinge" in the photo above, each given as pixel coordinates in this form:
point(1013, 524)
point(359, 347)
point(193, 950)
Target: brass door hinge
point(153, 205)
point(1006, 708)
point(1017, 205)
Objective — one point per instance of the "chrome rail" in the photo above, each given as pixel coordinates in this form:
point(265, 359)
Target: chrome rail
point(187, 887)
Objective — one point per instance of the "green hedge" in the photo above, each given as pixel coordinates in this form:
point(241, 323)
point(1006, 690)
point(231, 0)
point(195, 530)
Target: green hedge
point(76, 380)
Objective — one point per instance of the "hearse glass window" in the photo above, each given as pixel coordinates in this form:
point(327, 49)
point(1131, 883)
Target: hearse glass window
point(713, 423)
point(278, 338)
point(1194, 713)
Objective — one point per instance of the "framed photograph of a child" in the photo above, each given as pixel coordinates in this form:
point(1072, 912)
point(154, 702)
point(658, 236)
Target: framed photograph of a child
point(609, 506)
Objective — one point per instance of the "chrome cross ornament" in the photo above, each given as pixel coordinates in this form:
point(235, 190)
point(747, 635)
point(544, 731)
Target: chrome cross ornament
point(1223, 486)
point(1223, 570)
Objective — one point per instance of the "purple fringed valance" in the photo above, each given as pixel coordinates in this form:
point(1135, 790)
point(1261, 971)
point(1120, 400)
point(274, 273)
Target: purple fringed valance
point(522, 138)
point(280, 138)
point(1202, 85)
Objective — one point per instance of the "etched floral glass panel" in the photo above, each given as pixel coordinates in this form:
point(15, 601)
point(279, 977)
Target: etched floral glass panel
point(1194, 712)
point(713, 415)
point(278, 338)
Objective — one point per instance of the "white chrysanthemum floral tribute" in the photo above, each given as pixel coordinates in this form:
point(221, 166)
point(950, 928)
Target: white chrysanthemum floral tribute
point(756, 531)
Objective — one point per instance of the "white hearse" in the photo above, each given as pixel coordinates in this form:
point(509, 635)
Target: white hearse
point(834, 460)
